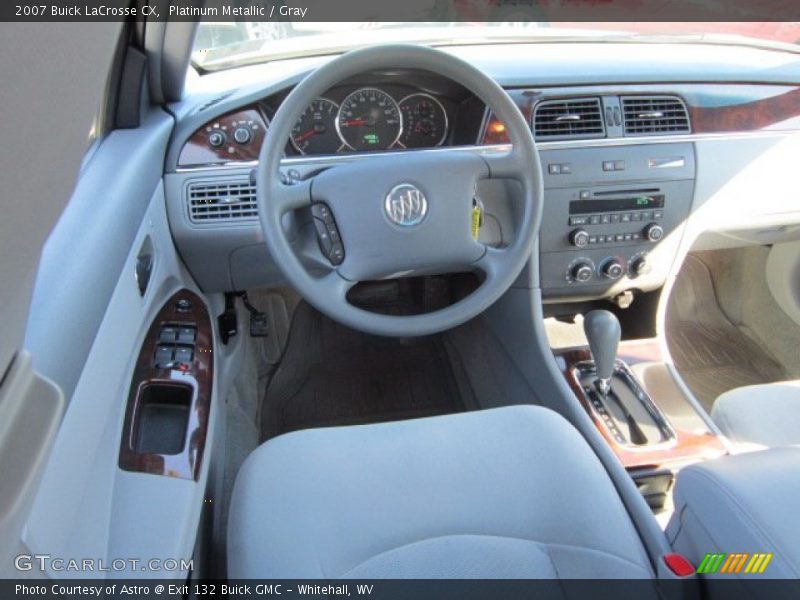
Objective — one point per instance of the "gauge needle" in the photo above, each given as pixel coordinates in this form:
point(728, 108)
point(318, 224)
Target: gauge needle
point(354, 122)
point(305, 136)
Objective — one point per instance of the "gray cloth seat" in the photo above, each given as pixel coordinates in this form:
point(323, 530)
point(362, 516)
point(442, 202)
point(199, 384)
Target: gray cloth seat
point(741, 503)
point(512, 492)
point(767, 414)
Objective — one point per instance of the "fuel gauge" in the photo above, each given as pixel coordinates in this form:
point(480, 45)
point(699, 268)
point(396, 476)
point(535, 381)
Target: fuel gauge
point(425, 121)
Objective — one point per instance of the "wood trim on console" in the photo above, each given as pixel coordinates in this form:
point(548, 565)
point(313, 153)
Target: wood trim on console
point(197, 150)
point(198, 376)
point(689, 446)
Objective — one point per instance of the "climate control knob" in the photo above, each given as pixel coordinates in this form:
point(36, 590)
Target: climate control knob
point(582, 272)
point(653, 232)
point(579, 238)
point(612, 268)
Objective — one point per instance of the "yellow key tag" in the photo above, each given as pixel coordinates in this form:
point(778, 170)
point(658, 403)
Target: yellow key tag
point(476, 219)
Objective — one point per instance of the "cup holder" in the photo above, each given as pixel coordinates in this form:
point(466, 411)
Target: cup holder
point(162, 418)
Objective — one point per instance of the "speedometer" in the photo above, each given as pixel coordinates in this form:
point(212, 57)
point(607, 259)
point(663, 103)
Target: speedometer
point(369, 119)
point(315, 130)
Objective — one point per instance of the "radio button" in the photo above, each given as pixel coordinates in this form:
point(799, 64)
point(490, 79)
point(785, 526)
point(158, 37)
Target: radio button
point(594, 220)
point(579, 238)
point(657, 214)
point(605, 219)
point(593, 239)
point(637, 216)
point(625, 218)
point(614, 218)
point(628, 237)
point(653, 232)
point(578, 220)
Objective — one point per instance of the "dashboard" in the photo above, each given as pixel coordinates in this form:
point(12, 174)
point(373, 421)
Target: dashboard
point(637, 163)
point(377, 112)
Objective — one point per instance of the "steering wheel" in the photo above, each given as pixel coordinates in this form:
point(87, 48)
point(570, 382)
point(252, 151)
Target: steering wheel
point(401, 212)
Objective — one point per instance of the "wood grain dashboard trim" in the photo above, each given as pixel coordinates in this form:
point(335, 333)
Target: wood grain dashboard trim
point(689, 445)
point(723, 108)
point(197, 151)
point(198, 376)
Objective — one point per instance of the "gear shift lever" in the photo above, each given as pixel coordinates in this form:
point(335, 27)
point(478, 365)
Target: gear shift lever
point(603, 332)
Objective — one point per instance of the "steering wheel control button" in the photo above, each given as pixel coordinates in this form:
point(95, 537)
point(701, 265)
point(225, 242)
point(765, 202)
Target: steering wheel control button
point(328, 236)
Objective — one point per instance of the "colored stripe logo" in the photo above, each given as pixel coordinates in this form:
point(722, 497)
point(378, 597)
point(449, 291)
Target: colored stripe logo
point(734, 562)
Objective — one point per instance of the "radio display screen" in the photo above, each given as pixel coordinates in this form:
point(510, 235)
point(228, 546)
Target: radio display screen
point(603, 205)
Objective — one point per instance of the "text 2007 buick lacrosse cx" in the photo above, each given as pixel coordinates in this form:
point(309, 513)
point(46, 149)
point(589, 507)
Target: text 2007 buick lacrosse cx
point(400, 300)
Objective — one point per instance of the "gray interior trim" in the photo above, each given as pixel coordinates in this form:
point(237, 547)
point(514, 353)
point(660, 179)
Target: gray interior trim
point(168, 45)
point(527, 344)
point(76, 278)
point(40, 166)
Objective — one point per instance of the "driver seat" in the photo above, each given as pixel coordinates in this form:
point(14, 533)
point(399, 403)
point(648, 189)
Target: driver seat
point(512, 492)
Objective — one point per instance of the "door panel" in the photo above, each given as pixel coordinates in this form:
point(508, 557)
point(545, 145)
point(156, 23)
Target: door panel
point(87, 506)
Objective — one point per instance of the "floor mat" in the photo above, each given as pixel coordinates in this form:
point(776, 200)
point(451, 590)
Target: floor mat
point(333, 375)
point(712, 354)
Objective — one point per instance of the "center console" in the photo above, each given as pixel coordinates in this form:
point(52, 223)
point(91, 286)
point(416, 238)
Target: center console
point(613, 217)
point(636, 405)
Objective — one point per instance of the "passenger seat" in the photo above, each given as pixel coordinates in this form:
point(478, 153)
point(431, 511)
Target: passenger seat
point(768, 414)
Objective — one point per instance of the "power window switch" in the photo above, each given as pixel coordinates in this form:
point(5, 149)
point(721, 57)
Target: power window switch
point(164, 354)
point(183, 354)
point(186, 335)
point(167, 334)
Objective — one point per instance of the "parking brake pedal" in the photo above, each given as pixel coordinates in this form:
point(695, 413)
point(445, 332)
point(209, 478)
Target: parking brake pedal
point(259, 322)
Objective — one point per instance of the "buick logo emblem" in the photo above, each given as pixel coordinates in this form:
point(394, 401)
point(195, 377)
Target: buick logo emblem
point(406, 205)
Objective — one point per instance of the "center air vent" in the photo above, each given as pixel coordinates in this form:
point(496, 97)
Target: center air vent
point(568, 119)
point(233, 200)
point(654, 115)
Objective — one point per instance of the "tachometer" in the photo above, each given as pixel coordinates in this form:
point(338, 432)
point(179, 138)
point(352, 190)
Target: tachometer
point(369, 119)
point(315, 130)
point(424, 121)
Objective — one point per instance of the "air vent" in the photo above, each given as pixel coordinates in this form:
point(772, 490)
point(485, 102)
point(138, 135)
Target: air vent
point(233, 200)
point(568, 119)
point(654, 115)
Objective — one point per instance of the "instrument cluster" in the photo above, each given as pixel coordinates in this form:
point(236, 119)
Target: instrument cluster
point(370, 118)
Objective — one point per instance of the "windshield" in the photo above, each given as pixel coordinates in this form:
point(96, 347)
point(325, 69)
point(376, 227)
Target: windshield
point(222, 45)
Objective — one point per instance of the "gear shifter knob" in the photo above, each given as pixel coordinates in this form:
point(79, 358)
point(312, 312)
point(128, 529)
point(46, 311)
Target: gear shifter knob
point(603, 332)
